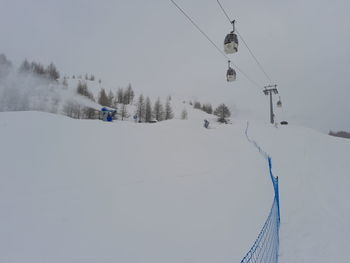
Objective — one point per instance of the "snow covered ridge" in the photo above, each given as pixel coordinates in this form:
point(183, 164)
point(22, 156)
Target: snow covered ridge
point(90, 191)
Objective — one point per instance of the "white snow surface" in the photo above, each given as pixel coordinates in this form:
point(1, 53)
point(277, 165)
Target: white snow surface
point(89, 191)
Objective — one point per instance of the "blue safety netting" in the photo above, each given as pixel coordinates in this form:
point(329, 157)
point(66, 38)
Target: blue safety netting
point(266, 246)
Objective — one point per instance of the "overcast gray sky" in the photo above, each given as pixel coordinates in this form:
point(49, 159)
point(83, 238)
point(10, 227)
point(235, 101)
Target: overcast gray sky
point(304, 45)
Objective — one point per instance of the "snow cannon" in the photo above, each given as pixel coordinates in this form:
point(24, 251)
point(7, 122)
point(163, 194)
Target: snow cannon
point(107, 114)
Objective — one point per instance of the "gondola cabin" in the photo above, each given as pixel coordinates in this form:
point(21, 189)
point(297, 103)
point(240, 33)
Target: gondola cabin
point(231, 43)
point(230, 75)
point(279, 103)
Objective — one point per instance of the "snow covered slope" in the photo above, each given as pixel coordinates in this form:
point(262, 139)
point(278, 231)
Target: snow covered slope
point(90, 191)
point(314, 192)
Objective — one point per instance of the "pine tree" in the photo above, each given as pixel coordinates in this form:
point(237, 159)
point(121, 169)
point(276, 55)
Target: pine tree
point(120, 95)
point(110, 98)
point(148, 113)
point(5, 66)
point(197, 105)
point(207, 108)
point(4, 61)
point(184, 114)
point(223, 112)
point(37, 68)
point(158, 110)
point(129, 94)
point(25, 67)
point(83, 90)
point(52, 72)
point(125, 98)
point(103, 99)
point(168, 110)
point(141, 109)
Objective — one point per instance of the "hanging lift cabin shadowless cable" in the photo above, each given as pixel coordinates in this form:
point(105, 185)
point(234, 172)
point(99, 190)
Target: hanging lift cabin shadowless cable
point(245, 43)
point(212, 42)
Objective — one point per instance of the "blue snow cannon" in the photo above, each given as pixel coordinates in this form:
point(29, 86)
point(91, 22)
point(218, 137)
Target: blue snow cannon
point(107, 114)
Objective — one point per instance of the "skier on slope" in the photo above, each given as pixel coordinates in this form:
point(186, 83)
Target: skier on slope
point(206, 124)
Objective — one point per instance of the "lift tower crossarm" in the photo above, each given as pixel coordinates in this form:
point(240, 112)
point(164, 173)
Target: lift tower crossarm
point(269, 90)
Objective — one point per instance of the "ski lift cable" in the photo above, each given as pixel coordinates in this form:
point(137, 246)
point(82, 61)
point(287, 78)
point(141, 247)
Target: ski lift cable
point(223, 10)
point(200, 30)
point(212, 42)
point(245, 43)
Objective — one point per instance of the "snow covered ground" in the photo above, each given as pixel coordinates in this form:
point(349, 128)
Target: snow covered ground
point(90, 191)
point(314, 192)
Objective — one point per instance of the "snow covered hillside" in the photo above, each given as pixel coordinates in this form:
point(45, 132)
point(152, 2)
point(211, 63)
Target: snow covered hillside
point(90, 191)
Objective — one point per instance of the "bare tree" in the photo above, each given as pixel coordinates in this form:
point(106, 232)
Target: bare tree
point(90, 113)
point(72, 109)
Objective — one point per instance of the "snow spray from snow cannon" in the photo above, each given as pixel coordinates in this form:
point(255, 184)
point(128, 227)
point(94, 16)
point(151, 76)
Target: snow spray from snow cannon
point(266, 246)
